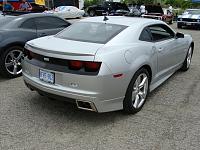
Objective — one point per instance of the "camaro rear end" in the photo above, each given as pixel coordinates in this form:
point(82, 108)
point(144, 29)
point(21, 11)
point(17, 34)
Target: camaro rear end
point(69, 69)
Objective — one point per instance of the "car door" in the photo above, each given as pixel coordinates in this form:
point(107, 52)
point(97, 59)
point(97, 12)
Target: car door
point(167, 47)
point(49, 25)
point(28, 29)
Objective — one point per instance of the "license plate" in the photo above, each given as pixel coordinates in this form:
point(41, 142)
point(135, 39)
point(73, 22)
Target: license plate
point(46, 76)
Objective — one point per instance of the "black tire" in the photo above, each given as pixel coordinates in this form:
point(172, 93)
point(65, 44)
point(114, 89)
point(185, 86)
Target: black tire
point(179, 26)
point(185, 66)
point(171, 22)
point(128, 103)
point(92, 13)
point(4, 56)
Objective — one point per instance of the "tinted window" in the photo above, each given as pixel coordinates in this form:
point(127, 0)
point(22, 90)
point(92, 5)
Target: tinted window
point(28, 24)
point(50, 23)
point(161, 32)
point(91, 32)
point(145, 35)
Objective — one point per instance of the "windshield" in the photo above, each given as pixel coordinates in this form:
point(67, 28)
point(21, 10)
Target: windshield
point(91, 32)
point(194, 12)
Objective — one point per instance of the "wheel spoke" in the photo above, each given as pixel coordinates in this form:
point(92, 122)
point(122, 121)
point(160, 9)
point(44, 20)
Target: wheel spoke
point(137, 83)
point(136, 102)
point(8, 64)
point(15, 70)
point(142, 95)
point(142, 84)
point(19, 56)
point(12, 55)
point(141, 103)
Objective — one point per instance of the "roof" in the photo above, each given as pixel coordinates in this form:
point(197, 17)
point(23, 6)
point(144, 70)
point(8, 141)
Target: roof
point(122, 20)
point(35, 15)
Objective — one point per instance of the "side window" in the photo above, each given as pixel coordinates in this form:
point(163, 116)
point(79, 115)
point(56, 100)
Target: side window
point(145, 35)
point(50, 23)
point(161, 32)
point(28, 24)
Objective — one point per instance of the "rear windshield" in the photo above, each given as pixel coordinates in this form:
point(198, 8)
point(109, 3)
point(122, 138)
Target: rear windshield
point(91, 32)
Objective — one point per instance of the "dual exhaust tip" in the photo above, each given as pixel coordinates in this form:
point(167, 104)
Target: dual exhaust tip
point(85, 105)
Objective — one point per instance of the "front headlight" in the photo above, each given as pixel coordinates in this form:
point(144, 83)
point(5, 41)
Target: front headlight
point(198, 20)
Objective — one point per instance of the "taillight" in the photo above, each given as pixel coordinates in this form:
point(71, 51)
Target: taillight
point(29, 54)
point(75, 64)
point(88, 66)
point(92, 66)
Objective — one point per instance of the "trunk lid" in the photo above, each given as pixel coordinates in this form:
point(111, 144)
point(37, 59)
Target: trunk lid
point(67, 49)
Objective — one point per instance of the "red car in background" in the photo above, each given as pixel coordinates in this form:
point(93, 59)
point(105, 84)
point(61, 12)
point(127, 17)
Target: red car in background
point(157, 12)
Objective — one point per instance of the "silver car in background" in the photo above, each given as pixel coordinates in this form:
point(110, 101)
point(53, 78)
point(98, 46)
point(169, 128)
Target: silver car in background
point(106, 63)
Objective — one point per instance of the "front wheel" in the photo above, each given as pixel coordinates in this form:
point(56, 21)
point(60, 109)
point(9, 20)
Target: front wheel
point(179, 26)
point(188, 59)
point(137, 92)
point(10, 62)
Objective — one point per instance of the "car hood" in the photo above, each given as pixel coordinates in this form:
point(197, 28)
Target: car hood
point(190, 16)
point(63, 48)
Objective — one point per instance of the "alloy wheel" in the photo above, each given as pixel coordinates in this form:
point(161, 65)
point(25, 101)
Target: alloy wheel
point(189, 57)
point(13, 62)
point(140, 90)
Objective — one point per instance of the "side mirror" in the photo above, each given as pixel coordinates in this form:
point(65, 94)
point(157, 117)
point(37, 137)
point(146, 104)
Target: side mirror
point(179, 35)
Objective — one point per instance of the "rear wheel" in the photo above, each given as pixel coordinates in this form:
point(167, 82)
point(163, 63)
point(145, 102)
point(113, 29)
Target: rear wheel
point(137, 92)
point(188, 59)
point(10, 62)
point(171, 22)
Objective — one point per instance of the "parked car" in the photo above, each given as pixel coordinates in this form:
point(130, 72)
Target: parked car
point(156, 12)
point(67, 12)
point(191, 17)
point(110, 8)
point(15, 31)
point(106, 66)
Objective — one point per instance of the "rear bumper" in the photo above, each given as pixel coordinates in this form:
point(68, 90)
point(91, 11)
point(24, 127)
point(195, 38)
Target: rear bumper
point(98, 90)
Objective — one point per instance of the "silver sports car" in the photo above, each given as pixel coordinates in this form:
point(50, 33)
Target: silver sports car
point(106, 63)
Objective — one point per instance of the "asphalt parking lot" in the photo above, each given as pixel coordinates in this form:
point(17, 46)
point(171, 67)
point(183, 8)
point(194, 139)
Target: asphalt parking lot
point(170, 119)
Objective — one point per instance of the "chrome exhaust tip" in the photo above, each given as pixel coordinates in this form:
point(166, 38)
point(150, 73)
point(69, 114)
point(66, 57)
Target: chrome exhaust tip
point(85, 105)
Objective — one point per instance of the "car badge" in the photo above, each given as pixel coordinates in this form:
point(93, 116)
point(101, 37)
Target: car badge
point(46, 59)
